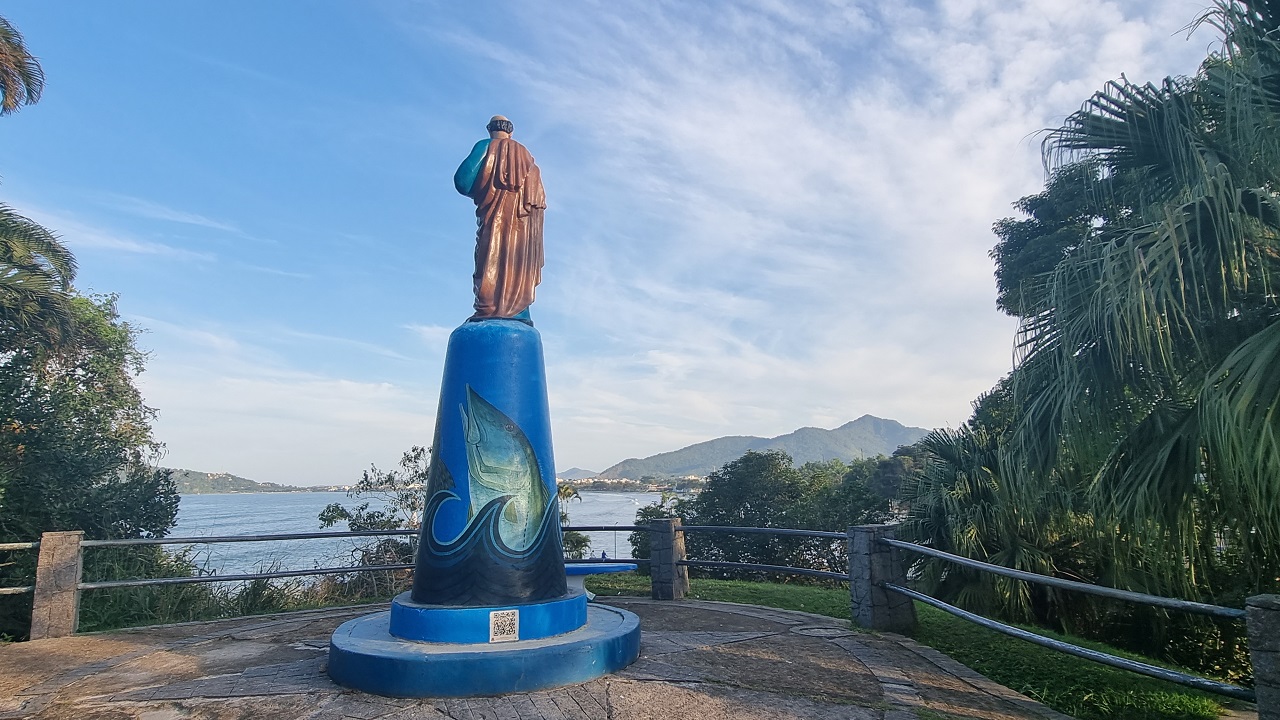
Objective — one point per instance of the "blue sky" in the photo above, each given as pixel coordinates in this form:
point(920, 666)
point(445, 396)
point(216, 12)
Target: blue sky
point(762, 215)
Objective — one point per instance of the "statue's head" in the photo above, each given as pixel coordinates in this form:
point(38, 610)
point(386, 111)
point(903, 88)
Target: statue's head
point(499, 124)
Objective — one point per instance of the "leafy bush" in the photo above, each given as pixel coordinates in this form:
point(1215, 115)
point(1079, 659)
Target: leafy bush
point(763, 489)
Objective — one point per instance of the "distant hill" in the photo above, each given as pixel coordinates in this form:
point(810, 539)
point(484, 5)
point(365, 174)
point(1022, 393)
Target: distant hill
point(576, 473)
point(867, 436)
point(193, 482)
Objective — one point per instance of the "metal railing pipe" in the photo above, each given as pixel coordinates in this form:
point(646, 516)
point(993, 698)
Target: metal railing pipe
point(602, 528)
point(1141, 668)
point(1113, 593)
point(236, 578)
point(783, 569)
point(244, 538)
point(783, 532)
point(18, 590)
point(20, 545)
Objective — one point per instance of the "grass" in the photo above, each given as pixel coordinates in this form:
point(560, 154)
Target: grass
point(1077, 687)
point(806, 598)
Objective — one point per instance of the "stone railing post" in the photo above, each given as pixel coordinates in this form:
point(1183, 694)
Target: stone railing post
point(666, 548)
point(55, 607)
point(870, 564)
point(1263, 621)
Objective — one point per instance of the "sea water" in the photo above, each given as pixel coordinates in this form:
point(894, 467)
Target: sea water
point(275, 513)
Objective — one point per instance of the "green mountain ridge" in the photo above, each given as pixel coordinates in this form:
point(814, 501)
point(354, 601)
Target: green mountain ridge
point(194, 482)
point(867, 436)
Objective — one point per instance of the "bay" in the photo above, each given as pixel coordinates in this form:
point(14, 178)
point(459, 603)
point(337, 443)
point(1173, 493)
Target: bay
point(262, 513)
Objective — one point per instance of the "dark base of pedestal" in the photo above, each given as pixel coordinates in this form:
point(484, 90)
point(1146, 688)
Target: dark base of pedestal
point(364, 655)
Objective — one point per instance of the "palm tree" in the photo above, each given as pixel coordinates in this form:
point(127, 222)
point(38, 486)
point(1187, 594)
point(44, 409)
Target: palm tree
point(21, 79)
point(1150, 355)
point(36, 271)
point(575, 543)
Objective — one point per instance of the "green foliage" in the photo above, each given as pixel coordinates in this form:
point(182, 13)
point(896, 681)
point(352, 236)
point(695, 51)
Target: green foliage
point(1137, 441)
point(75, 437)
point(762, 489)
point(76, 446)
point(398, 499)
point(575, 543)
point(668, 505)
point(964, 503)
point(1149, 351)
point(191, 482)
point(21, 79)
point(1067, 684)
point(36, 270)
point(398, 494)
point(127, 607)
point(1059, 219)
point(112, 608)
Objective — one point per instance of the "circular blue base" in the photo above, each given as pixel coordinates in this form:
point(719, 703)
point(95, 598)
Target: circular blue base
point(364, 655)
point(455, 624)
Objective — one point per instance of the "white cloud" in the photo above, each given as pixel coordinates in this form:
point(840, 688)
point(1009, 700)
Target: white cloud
point(155, 211)
point(763, 215)
point(784, 214)
point(79, 235)
point(229, 404)
point(436, 337)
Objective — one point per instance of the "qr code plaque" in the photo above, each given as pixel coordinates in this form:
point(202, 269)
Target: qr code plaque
point(504, 625)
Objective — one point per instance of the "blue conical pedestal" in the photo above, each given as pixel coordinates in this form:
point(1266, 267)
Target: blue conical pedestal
point(490, 612)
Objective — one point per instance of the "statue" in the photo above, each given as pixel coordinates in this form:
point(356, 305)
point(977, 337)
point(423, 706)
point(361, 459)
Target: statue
point(491, 610)
point(502, 179)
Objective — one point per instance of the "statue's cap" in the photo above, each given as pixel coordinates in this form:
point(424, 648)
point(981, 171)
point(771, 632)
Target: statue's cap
point(500, 124)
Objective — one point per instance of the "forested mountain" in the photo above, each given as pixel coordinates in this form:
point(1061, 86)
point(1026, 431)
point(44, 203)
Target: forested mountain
point(865, 437)
point(193, 482)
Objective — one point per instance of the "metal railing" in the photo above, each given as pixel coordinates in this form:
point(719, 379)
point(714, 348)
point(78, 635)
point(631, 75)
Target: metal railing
point(19, 589)
point(1091, 589)
point(673, 562)
point(759, 567)
point(1193, 681)
point(1174, 676)
point(241, 577)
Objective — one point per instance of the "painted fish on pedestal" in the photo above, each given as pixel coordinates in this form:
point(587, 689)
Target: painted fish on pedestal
point(501, 463)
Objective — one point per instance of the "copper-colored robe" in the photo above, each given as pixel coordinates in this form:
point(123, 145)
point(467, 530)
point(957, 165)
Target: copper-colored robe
point(509, 206)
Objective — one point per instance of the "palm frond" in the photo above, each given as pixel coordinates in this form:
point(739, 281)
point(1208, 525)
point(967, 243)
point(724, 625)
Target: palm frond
point(1239, 409)
point(21, 79)
point(28, 245)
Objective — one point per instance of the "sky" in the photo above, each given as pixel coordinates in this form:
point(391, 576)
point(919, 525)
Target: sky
point(762, 215)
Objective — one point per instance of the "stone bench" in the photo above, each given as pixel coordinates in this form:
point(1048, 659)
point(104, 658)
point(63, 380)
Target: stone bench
point(576, 573)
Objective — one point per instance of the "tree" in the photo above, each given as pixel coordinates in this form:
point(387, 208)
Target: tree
point(76, 451)
point(21, 79)
point(36, 269)
point(1149, 362)
point(964, 502)
point(575, 543)
point(763, 489)
point(398, 494)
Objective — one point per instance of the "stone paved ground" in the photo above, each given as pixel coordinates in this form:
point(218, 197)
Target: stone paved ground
point(702, 660)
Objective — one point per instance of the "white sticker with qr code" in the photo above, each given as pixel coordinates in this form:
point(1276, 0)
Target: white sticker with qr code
point(504, 625)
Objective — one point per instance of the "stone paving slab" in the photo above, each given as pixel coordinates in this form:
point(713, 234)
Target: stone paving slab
point(698, 659)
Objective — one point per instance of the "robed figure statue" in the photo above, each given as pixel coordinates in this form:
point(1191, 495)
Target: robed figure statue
point(502, 179)
point(491, 611)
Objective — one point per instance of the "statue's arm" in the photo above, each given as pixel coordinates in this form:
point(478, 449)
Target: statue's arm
point(465, 177)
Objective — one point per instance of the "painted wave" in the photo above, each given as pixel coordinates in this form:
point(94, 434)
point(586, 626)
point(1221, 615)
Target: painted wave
point(479, 569)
